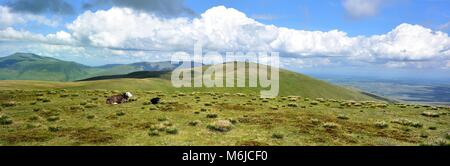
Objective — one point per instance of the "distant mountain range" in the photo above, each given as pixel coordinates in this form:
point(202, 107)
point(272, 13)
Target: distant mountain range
point(28, 66)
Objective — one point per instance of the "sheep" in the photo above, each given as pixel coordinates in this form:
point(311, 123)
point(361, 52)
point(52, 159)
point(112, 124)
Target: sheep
point(155, 100)
point(118, 99)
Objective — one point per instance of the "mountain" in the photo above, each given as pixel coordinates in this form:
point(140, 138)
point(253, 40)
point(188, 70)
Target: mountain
point(28, 66)
point(31, 66)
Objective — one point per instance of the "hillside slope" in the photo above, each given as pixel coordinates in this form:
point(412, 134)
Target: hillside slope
point(291, 83)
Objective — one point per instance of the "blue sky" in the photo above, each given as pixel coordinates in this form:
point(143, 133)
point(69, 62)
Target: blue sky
point(312, 36)
point(321, 15)
point(325, 15)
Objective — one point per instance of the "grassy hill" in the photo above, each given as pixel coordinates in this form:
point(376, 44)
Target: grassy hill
point(81, 117)
point(27, 66)
point(307, 112)
point(291, 83)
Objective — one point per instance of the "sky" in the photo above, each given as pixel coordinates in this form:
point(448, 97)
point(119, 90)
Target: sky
point(360, 37)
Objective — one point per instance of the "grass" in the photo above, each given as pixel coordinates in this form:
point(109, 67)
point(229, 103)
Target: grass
point(83, 118)
point(381, 124)
point(221, 126)
point(292, 84)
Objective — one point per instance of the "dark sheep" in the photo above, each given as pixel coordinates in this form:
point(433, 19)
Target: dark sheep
point(118, 99)
point(155, 100)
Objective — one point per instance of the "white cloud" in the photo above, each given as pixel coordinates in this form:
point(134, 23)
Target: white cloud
point(9, 18)
point(226, 29)
point(410, 42)
point(311, 43)
point(59, 38)
point(21, 35)
point(222, 29)
point(361, 8)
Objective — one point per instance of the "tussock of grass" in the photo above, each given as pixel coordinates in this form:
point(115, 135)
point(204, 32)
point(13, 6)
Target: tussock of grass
point(315, 121)
point(435, 142)
point(90, 116)
point(381, 124)
point(330, 125)
point(212, 115)
point(5, 120)
point(430, 114)
point(221, 126)
point(120, 113)
point(48, 113)
point(314, 103)
point(153, 132)
point(343, 117)
point(278, 135)
point(194, 123)
point(153, 108)
point(34, 118)
point(91, 105)
point(33, 125)
point(406, 122)
point(162, 119)
point(52, 118)
point(9, 104)
point(54, 128)
point(292, 105)
point(64, 95)
point(171, 130)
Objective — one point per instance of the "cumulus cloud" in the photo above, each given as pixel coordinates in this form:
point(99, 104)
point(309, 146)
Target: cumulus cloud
point(409, 42)
point(59, 38)
point(160, 7)
point(223, 29)
point(361, 8)
point(226, 29)
point(41, 6)
point(9, 18)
